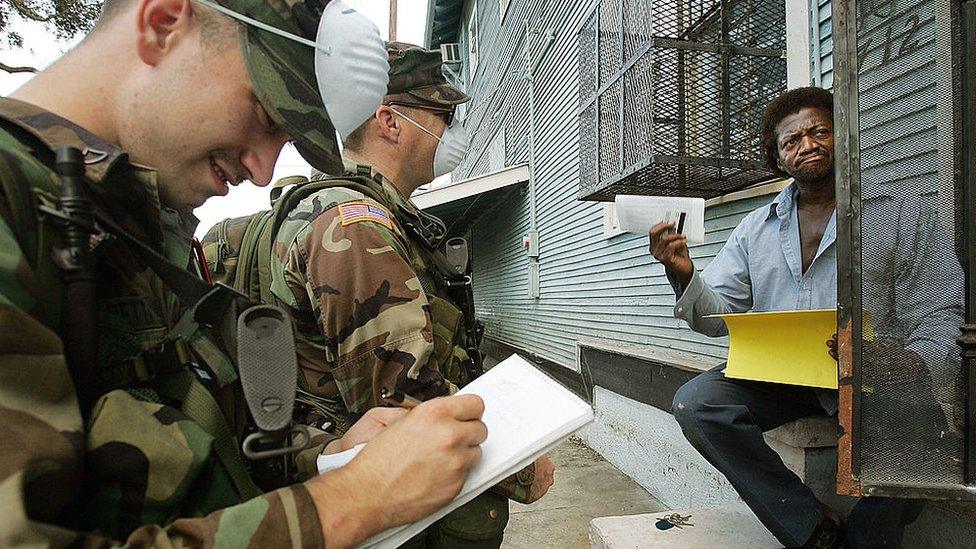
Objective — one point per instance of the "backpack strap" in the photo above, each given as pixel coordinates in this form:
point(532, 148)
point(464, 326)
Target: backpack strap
point(290, 199)
point(245, 278)
point(199, 405)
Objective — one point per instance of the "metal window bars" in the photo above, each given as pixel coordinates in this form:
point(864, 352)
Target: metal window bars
point(671, 92)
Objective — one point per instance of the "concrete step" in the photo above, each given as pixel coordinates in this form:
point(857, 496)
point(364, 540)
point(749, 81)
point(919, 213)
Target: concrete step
point(730, 528)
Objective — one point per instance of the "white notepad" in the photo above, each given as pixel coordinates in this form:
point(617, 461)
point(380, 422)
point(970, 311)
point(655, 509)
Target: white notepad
point(637, 214)
point(527, 414)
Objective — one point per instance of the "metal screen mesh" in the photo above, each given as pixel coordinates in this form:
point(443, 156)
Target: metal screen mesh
point(675, 89)
point(912, 284)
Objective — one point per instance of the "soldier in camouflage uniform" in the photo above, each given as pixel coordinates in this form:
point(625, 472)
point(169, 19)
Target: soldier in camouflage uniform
point(145, 461)
point(354, 264)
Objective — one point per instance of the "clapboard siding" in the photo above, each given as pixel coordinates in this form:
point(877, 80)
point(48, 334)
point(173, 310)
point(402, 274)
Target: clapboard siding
point(898, 100)
point(592, 288)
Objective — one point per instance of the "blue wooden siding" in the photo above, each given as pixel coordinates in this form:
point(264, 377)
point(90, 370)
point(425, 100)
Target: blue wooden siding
point(898, 97)
point(592, 288)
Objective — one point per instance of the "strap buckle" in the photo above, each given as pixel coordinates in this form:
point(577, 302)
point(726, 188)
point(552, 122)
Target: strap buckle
point(263, 445)
point(168, 356)
point(454, 283)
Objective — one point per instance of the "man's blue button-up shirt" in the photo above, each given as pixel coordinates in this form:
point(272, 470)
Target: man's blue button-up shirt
point(912, 284)
point(761, 269)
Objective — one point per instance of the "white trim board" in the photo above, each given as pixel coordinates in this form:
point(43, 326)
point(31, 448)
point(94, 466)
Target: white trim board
point(504, 177)
point(798, 37)
point(763, 189)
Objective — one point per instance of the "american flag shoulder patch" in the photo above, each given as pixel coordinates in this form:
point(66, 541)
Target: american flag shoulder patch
point(356, 212)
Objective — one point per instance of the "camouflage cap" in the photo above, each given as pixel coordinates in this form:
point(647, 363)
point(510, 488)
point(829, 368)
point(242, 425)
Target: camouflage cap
point(417, 74)
point(282, 72)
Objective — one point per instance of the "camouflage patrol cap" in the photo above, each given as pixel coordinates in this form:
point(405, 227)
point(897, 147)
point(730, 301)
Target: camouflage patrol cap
point(282, 73)
point(417, 74)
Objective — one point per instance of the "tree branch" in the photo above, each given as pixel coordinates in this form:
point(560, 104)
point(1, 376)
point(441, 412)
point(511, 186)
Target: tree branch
point(29, 12)
point(7, 68)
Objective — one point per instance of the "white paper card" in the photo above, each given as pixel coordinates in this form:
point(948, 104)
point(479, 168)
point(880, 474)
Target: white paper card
point(527, 414)
point(328, 462)
point(637, 214)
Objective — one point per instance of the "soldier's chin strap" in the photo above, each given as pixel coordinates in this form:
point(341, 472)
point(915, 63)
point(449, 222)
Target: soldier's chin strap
point(258, 335)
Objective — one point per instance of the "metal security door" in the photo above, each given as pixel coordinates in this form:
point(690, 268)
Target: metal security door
point(904, 232)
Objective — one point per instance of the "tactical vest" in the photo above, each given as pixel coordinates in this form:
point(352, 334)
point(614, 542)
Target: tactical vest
point(163, 393)
point(238, 254)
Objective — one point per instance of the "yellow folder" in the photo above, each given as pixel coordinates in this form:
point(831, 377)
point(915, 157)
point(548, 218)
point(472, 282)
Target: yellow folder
point(782, 347)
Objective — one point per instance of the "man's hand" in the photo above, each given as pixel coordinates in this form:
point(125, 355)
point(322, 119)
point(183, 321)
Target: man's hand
point(373, 422)
point(414, 467)
point(544, 468)
point(672, 250)
point(832, 346)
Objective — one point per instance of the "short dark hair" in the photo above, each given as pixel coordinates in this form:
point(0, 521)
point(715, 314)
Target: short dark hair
point(786, 104)
point(357, 138)
point(354, 141)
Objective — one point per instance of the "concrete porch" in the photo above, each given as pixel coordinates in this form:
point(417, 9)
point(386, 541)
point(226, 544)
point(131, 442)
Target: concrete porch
point(585, 487)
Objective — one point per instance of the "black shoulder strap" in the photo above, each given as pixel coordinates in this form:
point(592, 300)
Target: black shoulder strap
point(187, 287)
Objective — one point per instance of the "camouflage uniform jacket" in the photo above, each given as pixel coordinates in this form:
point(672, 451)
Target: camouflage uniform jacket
point(370, 309)
point(136, 469)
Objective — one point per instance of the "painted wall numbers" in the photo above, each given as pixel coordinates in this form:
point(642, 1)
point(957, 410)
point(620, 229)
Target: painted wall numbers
point(889, 29)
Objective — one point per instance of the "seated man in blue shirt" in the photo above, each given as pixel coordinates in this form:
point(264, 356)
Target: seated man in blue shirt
point(782, 257)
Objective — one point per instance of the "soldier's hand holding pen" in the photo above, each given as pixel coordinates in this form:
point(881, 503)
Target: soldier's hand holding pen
point(413, 467)
point(373, 422)
point(671, 249)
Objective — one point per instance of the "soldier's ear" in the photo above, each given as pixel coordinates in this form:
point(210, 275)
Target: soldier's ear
point(388, 124)
point(160, 25)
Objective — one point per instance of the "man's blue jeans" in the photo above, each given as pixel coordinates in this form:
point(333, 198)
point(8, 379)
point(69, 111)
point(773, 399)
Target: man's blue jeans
point(724, 419)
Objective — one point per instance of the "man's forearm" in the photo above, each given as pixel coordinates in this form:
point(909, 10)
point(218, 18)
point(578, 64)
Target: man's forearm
point(698, 300)
point(679, 278)
point(345, 509)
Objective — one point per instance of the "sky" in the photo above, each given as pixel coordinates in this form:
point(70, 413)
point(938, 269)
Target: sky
point(246, 198)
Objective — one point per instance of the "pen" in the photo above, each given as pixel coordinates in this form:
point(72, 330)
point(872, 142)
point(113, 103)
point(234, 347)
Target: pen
point(399, 398)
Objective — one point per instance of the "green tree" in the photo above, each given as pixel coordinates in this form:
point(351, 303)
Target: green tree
point(65, 19)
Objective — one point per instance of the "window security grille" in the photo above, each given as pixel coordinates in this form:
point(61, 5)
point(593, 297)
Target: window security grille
point(671, 92)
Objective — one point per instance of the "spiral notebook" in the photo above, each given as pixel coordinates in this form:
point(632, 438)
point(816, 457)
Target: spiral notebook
point(527, 414)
